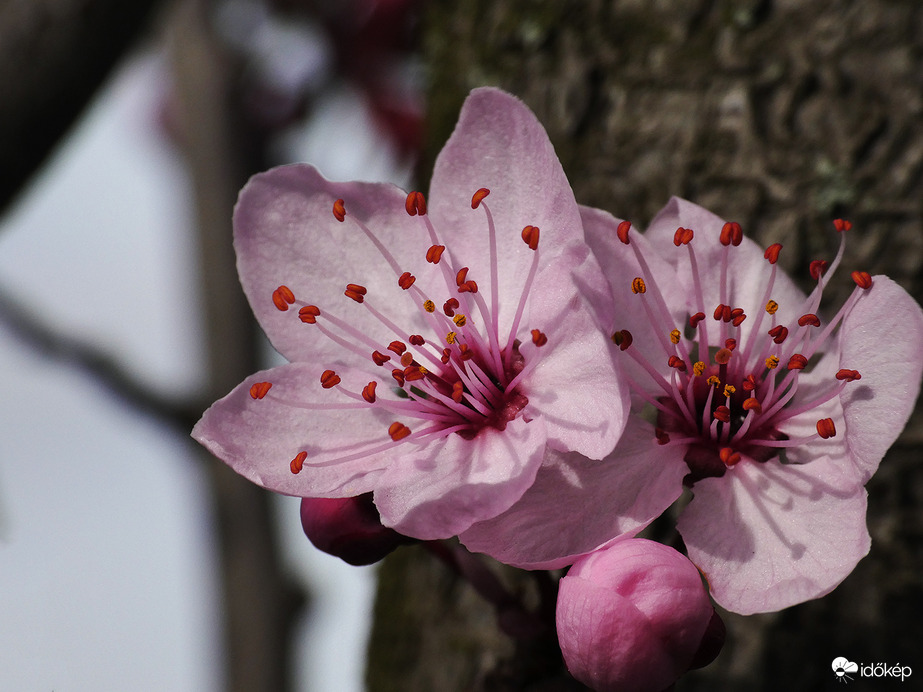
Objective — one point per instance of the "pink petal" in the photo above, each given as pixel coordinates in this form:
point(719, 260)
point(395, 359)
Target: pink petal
point(768, 535)
point(259, 438)
point(881, 339)
point(439, 490)
point(285, 234)
point(577, 504)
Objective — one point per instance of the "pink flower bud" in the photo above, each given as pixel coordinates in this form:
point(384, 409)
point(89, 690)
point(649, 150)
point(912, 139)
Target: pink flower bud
point(634, 617)
point(349, 528)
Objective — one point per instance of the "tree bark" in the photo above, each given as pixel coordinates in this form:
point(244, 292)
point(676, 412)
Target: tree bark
point(781, 115)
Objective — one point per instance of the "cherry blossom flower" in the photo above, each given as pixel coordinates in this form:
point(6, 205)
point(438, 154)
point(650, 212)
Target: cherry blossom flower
point(634, 617)
point(779, 415)
point(439, 348)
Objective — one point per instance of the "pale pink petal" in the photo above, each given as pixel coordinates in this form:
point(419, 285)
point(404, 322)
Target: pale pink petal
point(285, 234)
point(768, 535)
point(439, 490)
point(578, 504)
point(881, 339)
point(259, 438)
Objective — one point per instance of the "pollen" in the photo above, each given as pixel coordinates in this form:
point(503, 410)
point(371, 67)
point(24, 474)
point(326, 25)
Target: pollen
point(713, 381)
point(398, 431)
point(297, 463)
point(772, 307)
point(729, 389)
point(698, 367)
point(674, 337)
point(429, 305)
point(637, 285)
point(772, 362)
point(460, 320)
point(450, 337)
point(260, 389)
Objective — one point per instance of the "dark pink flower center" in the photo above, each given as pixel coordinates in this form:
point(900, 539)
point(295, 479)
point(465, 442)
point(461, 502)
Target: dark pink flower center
point(729, 393)
point(460, 375)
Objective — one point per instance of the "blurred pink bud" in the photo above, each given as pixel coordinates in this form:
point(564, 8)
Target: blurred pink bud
point(349, 528)
point(634, 617)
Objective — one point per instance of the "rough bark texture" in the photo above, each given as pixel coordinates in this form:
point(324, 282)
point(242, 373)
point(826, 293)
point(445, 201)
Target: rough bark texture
point(780, 115)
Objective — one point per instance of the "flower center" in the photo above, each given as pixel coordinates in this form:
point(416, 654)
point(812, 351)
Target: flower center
point(729, 391)
point(461, 375)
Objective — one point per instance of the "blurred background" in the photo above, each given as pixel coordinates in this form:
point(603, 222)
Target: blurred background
point(131, 560)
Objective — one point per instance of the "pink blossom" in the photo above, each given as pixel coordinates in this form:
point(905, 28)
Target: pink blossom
point(632, 618)
point(439, 348)
point(780, 414)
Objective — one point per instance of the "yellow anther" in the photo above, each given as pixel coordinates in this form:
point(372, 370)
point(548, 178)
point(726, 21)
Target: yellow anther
point(674, 336)
point(450, 338)
point(637, 285)
point(429, 306)
point(729, 389)
point(713, 381)
point(771, 307)
point(772, 362)
point(460, 320)
point(698, 367)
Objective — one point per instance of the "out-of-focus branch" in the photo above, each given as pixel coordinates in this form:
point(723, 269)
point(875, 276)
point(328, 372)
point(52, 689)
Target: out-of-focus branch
point(54, 54)
point(101, 366)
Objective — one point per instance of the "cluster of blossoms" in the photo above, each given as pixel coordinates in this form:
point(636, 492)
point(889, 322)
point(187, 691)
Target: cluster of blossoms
point(497, 363)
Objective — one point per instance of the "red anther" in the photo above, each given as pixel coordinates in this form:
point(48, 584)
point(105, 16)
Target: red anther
point(282, 297)
point(298, 462)
point(752, 404)
point(368, 392)
point(797, 362)
point(416, 340)
point(413, 373)
point(662, 436)
point(683, 236)
point(308, 314)
point(458, 391)
point(848, 375)
point(530, 236)
point(809, 319)
point(380, 358)
point(398, 431)
point(434, 253)
point(329, 379)
point(260, 389)
point(622, 339)
point(464, 352)
point(723, 313)
point(730, 344)
point(449, 306)
point(728, 456)
point(470, 286)
point(622, 231)
point(677, 362)
point(731, 234)
point(772, 253)
point(825, 428)
point(739, 320)
point(406, 280)
point(863, 280)
point(817, 268)
point(723, 356)
point(461, 276)
point(778, 333)
point(478, 197)
point(750, 383)
point(841, 225)
point(356, 292)
point(539, 338)
point(398, 376)
point(415, 204)
point(339, 210)
point(397, 347)
point(695, 319)
point(446, 356)
point(722, 413)
point(407, 359)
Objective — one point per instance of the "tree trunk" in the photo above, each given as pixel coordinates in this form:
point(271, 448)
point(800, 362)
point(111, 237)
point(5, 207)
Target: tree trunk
point(780, 115)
